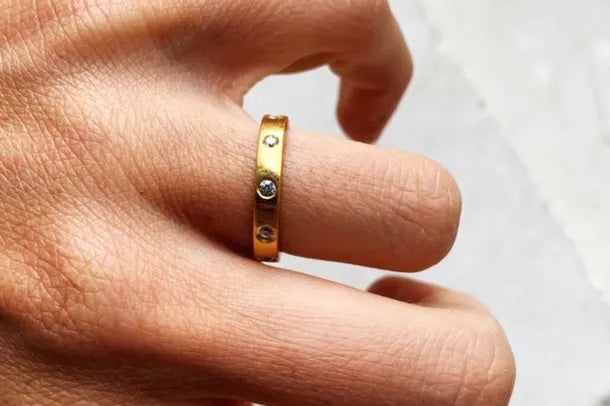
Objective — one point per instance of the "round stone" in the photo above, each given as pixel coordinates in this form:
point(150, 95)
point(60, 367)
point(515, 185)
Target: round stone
point(267, 188)
point(271, 141)
point(265, 234)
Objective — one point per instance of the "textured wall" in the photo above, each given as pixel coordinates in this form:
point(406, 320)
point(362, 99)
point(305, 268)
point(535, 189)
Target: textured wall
point(514, 98)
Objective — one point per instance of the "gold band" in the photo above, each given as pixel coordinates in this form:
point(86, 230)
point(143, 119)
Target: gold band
point(266, 230)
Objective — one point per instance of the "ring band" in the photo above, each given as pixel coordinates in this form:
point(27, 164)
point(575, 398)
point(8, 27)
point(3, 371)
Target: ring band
point(269, 161)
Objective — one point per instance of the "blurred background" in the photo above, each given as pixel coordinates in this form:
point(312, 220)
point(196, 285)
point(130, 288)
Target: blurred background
point(514, 98)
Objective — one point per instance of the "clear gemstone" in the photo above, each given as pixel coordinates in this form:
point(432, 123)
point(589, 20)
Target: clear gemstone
point(267, 188)
point(265, 234)
point(271, 141)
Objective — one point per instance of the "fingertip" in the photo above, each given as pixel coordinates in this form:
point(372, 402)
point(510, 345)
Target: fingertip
point(443, 203)
point(357, 120)
point(429, 222)
point(400, 288)
point(370, 92)
point(364, 113)
point(424, 294)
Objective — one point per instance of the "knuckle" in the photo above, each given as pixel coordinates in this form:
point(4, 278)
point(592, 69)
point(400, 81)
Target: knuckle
point(360, 21)
point(369, 17)
point(56, 285)
point(368, 11)
point(53, 277)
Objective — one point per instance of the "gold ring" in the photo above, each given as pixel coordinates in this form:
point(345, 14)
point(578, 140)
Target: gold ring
point(266, 230)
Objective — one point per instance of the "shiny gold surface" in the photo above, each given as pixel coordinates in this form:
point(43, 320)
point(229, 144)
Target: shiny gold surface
point(265, 231)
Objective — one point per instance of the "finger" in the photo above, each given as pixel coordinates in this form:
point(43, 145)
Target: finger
point(239, 43)
point(360, 40)
point(193, 156)
point(341, 201)
point(355, 203)
point(362, 43)
point(276, 337)
point(366, 48)
point(189, 320)
point(421, 293)
point(371, 89)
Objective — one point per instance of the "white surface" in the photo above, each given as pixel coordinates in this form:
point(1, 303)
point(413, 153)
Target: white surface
point(543, 69)
point(514, 98)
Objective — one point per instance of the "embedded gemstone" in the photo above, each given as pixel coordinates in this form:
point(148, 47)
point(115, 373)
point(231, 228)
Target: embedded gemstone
point(265, 234)
point(271, 141)
point(267, 188)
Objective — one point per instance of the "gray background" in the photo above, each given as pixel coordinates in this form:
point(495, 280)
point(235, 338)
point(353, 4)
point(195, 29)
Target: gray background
point(514, 98)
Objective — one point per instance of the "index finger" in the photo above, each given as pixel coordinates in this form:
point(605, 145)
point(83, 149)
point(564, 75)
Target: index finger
point(363, 43)
point(359, 39)
point(239, 43)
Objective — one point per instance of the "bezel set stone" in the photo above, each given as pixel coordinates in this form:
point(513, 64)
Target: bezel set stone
point(267, 188)
point(271, 141)
point(265, 234)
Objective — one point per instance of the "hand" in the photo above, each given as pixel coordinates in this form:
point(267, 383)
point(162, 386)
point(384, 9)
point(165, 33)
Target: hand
point(126, 179)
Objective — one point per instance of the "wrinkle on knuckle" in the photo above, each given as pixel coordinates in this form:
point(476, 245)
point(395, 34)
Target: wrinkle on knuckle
point(56, 281)
point(68, 148)
point(58, 291)
point(364, 20)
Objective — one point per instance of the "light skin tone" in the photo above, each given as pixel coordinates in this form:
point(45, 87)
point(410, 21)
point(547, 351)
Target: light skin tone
point(127, 179)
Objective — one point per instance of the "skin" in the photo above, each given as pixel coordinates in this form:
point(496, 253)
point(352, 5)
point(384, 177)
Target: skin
point(126, 178)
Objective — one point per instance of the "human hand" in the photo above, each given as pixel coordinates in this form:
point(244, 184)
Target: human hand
point(126, 179)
